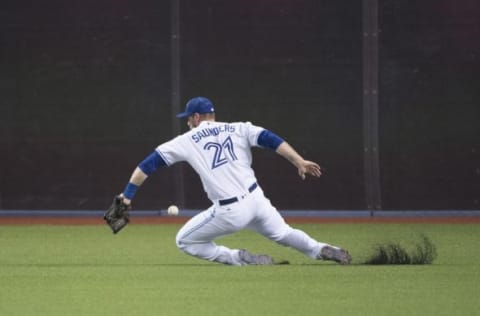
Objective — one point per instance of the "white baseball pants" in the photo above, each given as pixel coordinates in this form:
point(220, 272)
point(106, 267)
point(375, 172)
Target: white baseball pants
point(253, 211)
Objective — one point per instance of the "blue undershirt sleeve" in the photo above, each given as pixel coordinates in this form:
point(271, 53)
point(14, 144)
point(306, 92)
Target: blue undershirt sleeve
point(269, 139)
point(152, 163)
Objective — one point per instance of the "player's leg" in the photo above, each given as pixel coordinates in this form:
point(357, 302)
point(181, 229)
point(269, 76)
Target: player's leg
point(299, 240)
point(196, 239)
point(197, 236)
point(272, 225)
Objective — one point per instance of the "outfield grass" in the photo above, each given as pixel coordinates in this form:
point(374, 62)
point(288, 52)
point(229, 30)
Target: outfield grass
point(86, 270)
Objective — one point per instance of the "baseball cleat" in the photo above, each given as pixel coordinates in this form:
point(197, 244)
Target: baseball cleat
point(249, 258)
point(335, 254)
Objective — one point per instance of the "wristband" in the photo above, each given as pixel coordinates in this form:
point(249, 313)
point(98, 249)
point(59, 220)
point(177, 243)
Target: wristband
point(130, 191)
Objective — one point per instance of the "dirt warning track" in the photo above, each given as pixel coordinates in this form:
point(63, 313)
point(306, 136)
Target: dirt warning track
point(26, 220)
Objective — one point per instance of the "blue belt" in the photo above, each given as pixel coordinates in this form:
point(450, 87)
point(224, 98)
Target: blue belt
point(235, 199)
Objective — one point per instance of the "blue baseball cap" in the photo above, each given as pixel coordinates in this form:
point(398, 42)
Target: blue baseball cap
point(198, 105)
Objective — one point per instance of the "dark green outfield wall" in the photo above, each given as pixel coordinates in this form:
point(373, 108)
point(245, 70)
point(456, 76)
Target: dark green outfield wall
point(86, 93)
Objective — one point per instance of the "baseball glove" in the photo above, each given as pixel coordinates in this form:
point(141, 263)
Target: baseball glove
point(117, 215)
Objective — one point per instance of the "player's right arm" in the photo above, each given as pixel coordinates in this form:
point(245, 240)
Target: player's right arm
point(281, 147)
point(304, 166)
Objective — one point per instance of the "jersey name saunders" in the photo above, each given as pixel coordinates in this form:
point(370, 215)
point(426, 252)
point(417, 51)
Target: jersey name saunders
point(212, 131)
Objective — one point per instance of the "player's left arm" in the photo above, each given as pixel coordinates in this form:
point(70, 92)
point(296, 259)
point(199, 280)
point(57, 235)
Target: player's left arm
point(140, 174)
point(136, 180)
point(273, 141)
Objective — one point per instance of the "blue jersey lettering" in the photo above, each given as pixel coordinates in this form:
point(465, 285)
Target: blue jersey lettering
point(207, 132)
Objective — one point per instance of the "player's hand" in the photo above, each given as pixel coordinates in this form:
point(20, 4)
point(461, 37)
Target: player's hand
point(125, 200)
point(310, 168)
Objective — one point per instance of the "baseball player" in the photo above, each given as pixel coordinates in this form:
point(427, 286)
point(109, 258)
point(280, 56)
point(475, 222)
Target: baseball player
point(220, 153)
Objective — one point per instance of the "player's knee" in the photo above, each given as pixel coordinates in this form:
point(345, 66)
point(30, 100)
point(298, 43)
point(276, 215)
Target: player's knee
point(180, 242)
point(187, 248)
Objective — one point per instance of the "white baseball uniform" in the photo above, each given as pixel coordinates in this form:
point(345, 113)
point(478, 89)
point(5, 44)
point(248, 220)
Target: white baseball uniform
point(221, 155)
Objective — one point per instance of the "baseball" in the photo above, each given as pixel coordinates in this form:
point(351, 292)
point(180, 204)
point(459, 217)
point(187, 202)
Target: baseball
point(172, 210)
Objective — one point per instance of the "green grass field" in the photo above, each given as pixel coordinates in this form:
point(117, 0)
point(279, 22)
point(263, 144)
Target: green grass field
point(86, 270)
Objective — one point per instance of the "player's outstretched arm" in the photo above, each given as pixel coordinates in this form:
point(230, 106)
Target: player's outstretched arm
point(141, 173)
point(304, 166)
point(136, 180)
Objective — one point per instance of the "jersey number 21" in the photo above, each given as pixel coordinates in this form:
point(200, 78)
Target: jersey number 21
point(221, 151)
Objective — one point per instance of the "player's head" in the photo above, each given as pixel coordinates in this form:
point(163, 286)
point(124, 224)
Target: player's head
point(197, 109)
point(200, 105)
